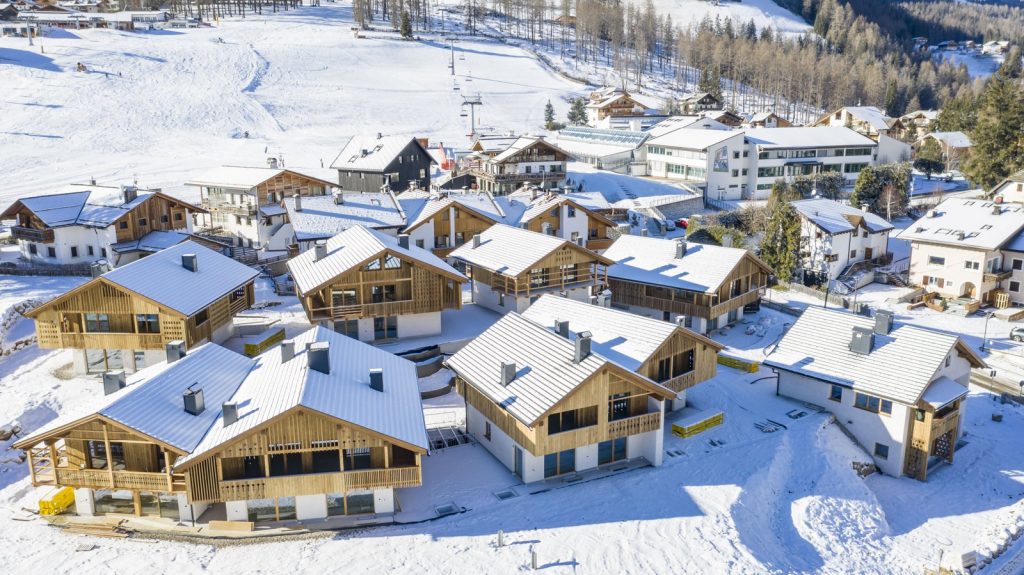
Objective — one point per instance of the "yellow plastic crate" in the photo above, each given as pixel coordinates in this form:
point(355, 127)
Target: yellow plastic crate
point(686, 429)
point(736, 363)
point(57, 502)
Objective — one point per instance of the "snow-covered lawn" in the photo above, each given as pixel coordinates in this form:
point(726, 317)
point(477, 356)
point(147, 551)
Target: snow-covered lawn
point(762, 12)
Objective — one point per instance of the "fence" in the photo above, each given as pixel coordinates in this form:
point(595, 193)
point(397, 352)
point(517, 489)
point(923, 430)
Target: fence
point(833, 299)
point(23, 269)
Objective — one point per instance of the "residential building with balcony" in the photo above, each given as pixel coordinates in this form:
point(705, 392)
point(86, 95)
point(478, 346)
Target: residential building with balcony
point(899, 390)
point(716, 160)
point(124, 318)
point(368, 164)
point(666, 353)
point(784, 153)
point(511, 267)
point(886, 131)
point(1010, 190)
point(703, 287)
point(835, 237)
point(373, 287)
point(316, 218)
point(612, 108)
point(957, 250)
point(91, 223)
point(549, 403)
point(244, 203)
point(319, 427)
point(528, 159)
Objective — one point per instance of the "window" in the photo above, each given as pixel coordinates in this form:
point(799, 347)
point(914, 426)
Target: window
point(51, 252)
point(881, 451)
point(103, 252)
point(1015, 286)
point(972, 265)
point(609, 451)
point(100, 459)
point(936, 261)
point(238, 220)
point(872, 403)
point(373, 266)
point(178, 217)
point(664, 370)
point(487, 430)
point(682, 363)
point(836, 393)
point(97, 322)
point(383, 293)
point(147, 323)
point(89, 250)
point(568, 273)
point(571, 211)
point(618, 406)
point(74, 251)
point(419, 244)
point(123, 225)
point(572, 419)
point(560, 463)
point(1017, 264)
point(501, 299)
point(392, 263)
point(33, 249)
point(349, 327)
point(853, 168)
point(537, 277)
point(864, 234)
point(202, 316)
point(343, 297)
point(358, 458)
point(143, 222)
point(164, 219)
point(385, 327)
point(853, 254)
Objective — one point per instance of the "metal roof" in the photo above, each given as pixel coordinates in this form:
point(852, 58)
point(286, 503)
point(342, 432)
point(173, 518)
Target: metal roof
point(693, 138)
point(618, 138)
point(508, 250)
point(970, 224)
point(98, 206)
point(162, 278)
point(248, 177)
point(900, 367)
point(653, 261)
point(152, 242)
point(807, 137)
point(834, 218)
point(351, 248)
point(370, 154)
point(321, 217)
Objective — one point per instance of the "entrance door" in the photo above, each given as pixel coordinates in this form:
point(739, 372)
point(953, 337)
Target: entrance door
point(518, 462)
point(868, 254)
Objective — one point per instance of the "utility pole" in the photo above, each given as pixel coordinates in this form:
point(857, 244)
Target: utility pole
point(472, 102)
point(451, 44)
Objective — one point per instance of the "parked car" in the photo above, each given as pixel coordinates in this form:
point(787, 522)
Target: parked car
point(1017, 334)
point(670, 225)
point(682, 223)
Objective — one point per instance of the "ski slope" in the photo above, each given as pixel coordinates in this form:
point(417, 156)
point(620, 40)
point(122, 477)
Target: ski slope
point(764, 13)
point(161, 106)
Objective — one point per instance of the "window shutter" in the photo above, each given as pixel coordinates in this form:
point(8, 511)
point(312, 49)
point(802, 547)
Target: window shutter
point(940, 281)
point(924, 280)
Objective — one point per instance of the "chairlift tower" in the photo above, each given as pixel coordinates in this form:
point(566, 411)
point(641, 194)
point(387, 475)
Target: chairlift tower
point(472, 101)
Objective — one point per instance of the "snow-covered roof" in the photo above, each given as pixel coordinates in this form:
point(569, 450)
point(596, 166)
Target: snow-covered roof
point(162, 278)
point(900, 366)
point(152, 402)
point(321, 217)
point(370, 154)
point(871, 115)
point(353, 247)
point(968, 223)
point(655, 201)
point(274, 386)
point(493, 144)
point(673, 123)
point(94, 206)
point(807, 137)
point(508, 250)
point(625, 338)
point(835, 218)
point(248, 177)
point(270, 210)
point(152, 242)
point(653, 261)
point(692, 138)
point(545, 370)
point(952, 139)
point(590, 200)
point(513, 209)
point(943, 391)
point(929, 115)
point(522, 143)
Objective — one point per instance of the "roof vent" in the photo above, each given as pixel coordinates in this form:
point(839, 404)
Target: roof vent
point(287, 350)
point(320, 357)
point(476, 240)
point(582, 346)
point(190, 262)
point(229, 410)
point(680, 248)
point(272, 163)
point(403, 241)
point(194, 400)
point(918, 230)
point(865, 207)
point(175, 350)
point(319, 250)
point(377, 379)
point(996, 210)
point(960, 236)
point(562, 328)
point(883, 322)
point(130, 193)
point(931, 213)
point(862, 341)
point(508, 373)
point(113, 381)
point(298, 202)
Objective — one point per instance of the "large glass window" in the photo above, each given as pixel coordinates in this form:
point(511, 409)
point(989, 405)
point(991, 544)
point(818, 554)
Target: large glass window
point(147, 323)
point(383, 293)
point(572, 419)
point(358, 458)
point(618, 406)
point(560, 463)
point(682, 363)
point(97, 322)
point(385, 327)
point(343, 297)
point(349, 327)
point(609, 451)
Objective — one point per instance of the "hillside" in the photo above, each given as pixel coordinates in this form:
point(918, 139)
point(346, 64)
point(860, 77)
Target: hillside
point(763, 12)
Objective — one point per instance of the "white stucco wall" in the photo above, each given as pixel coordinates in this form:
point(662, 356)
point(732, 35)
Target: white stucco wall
point(953, 271)
point(309, 507)
point(189, 512)
point(236, 510)
point(85, 502)
point(64, 238)
point(419, 324)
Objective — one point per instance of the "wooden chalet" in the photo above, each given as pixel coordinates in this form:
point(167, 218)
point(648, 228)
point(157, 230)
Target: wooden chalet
point(394, 163)
point(707, 286)
point(700, 102)
point(511, 267)
point(124, 318)
point(527, 159)
point(374, 287)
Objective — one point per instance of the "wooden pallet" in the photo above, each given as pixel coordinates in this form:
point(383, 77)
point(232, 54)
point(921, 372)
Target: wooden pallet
point(111, 530)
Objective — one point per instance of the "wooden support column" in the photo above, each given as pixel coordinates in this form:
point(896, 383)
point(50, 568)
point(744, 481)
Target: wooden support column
point(110, 459)
point(137, 502)
point(53, 458)
point(167, 467)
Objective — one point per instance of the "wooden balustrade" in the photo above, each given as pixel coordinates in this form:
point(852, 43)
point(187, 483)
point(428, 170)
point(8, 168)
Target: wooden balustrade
point(32, 234)
point(316, 483)
point(101, 479)
point(112, 340)
point(633, 425)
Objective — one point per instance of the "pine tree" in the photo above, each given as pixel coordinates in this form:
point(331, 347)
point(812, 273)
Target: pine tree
point(577, 115)
point(781, 240)
point(867, 189)
point(406, 27)
point(929, 158)
point(549, 118)
point(998, 149)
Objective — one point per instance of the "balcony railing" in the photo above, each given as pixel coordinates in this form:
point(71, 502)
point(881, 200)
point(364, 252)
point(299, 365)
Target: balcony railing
point(112, 340)
point(32, 234)
point(315, 483)
point(996, 276)
point(634, 425)
point(225, 207)
point(101, 479)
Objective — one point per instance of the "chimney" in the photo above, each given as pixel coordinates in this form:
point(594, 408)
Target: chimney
point(508, 373)
point(287, 350)
point(377, 379)
point(190, 262)
point(726, 241)
point(319, 250)
point(272, 163)
point(681, 321)
point(113, 381)
point(298, 202)
point(229, 410)
point(403, 241)
point(175, 350)
point(883, 321)
point(680, 248)
point(380, 135)
point(130, 193)
point(476, 240)
point(996, 210)
point(865, 207)
point(643, 233)
point(96, 269)
point(320, 357)
point(862, 341)
point(92, 181)
point(193, 400)
point(562, 328)
point(582, 346)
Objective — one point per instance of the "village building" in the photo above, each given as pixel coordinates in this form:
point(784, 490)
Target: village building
point(528, 159)
point(767, 120)
point(702, 287)
point(67, 18)
point(840, 240)
point(611, 108)
point(124, 319)
point(321, 427)
point(897, 389)
point(511, 267)
point(785, 153)
point(698, 122)
point(395, 163)
point(717, 160)
point(1010, 190)
point(874, 123)
point(614, 150)
point(954, 145)
point(919, 122)
point(312, 219)
point(373, 287)
point(550, 403)
point(91, 223)
point(725, 117)
point(244, 203)
point(700, 102)
point(957, 251)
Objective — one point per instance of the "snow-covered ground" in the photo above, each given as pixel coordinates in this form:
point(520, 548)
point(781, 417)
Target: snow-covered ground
point(763, 12)
point(978, 65)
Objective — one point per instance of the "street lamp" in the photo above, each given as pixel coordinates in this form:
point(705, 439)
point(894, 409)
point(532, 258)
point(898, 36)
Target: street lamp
point(984, 338)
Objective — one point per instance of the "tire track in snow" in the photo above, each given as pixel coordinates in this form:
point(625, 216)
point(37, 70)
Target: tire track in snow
point(258, 75)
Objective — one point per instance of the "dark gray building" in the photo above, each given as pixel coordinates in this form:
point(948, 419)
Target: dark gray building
point(367, 164)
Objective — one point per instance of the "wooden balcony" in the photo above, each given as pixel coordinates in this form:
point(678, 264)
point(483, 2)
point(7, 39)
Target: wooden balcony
point(229, 208)
point(992, 277)
point(735, 302)
point(104, 479)
point(596, 433)
point(594, 244)
point(111, 341)
point(634, 425)
point(316, 483)
point(32, 234)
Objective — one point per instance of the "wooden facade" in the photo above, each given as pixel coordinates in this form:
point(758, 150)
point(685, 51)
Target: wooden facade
point(565, 268)
point(742, 286)
point(686, 358)
point(103, 315)
point(227, 201)
point(301, 452)
point(504, 176)
point(622, 106)
point(374, 288)
point(593, 397)
point(451, 232)
point(930, 433)
point(598, 226)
